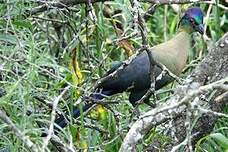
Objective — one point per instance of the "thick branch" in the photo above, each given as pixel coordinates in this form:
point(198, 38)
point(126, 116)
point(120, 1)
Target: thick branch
point(59, 4)
point(213, 68)
point(163, 2)
point(65, 3)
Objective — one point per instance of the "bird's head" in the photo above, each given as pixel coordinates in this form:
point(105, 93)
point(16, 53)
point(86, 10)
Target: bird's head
point(192, 20)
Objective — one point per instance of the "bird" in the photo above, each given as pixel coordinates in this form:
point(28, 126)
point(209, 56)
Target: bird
point(135, 76)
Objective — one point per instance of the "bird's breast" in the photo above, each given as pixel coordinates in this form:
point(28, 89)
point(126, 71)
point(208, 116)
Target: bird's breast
point(173, 53)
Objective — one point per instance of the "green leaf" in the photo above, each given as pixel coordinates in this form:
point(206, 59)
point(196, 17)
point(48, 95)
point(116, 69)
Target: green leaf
point(173, 25)
point(221, 139)
point(22, 23)
point(74, 132)
point(8, 38)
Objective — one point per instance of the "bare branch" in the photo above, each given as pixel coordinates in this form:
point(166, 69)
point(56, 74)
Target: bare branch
point(51, 127)
point(158, 115)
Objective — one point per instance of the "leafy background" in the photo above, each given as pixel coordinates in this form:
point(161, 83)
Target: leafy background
point(41, 54)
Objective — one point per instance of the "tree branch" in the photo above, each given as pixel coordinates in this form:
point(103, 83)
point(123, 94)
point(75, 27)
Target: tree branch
point(163, 2)
point(45, 5)
point(214, 69)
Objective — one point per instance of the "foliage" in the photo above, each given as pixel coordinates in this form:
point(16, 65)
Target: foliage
point(41, 54)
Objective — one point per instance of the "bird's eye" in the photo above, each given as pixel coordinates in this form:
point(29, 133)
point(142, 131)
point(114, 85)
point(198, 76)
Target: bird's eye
point(192, 21)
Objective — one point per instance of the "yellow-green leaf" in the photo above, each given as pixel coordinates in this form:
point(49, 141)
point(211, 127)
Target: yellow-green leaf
point(77, 76)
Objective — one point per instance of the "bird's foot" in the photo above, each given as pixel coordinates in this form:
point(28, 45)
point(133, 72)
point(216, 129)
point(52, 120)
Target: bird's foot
point(152, 105)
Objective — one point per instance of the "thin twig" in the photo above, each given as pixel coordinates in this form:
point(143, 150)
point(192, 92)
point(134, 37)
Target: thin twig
point(53, 113)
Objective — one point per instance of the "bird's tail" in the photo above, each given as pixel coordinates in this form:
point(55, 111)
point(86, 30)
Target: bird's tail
point(62, 121)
